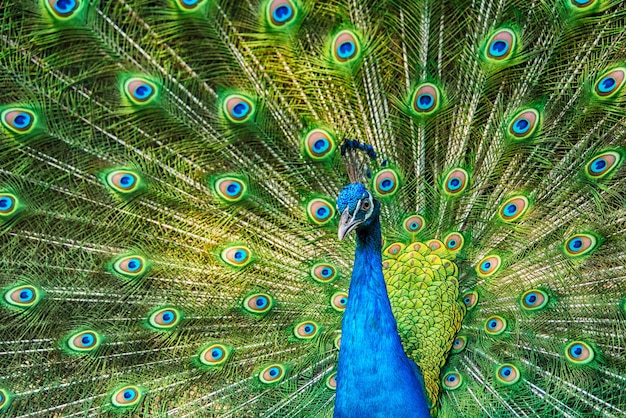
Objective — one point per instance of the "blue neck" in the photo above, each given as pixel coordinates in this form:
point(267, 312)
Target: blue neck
point(374, 377)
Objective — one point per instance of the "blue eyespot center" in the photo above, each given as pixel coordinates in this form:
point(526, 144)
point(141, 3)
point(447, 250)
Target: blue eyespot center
point(87, 339)
point(454, 183)
point(326, 272)
point(127, 180)
point(241, 109)
point(532, 298)
point(386, 185)
point(216, 353)
point(452, 244)
point(282, 13)
point(143, 91)
point(576, 244)
point(576, 350)
point(261, 302)
point(233, 189)
point(308, 329)
point(467, 300)
point(321, 145)
point(22, 120)
point(346, 49)
point(598, 165)
point(343, 301)
point(425, 101)
point(607, 84)
point(511, 208)
point(451, 378)
point(190, 2)
point(64, 6)
point(26, 295)
point(134, 264)
point(507, 371)
point(239, 255)
point(129, 394)
point(273, 371)
point(498, 48)
point(322, 212)
point(167, 317)
point(486, 265)
point(6, 203)
point(521, 126)
point(493, 324)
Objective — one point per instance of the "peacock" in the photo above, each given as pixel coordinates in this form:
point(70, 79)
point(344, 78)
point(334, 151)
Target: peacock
point(301, 208)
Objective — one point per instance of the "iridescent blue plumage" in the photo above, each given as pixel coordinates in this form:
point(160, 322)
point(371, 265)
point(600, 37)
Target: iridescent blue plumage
point(375, 378)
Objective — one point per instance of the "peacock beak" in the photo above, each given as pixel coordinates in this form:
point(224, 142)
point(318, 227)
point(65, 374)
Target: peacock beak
point(347, 223)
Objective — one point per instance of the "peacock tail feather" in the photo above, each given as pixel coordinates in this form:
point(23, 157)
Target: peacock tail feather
point(168, 177)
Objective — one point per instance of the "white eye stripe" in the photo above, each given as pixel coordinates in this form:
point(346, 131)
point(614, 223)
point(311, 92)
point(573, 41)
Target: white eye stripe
point(370, 200)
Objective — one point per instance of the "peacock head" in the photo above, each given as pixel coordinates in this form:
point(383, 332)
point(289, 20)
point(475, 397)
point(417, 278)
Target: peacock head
point(357, 208)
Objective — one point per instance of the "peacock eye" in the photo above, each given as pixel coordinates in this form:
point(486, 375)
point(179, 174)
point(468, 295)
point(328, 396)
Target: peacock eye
point(366, 205)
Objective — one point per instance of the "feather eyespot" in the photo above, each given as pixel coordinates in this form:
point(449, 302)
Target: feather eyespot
point(470, 299)
point(495, 325)
point(18, 121)
point(524, 124)
point(455, 182)
point(394, 249)
point(346, 47)
point(9, 205)
point(230, 189)
point(258, 303)
point(339, 301)
point(63, 9)
point(603, 164)
point(140, 91)
point(434, 244)
point(306, 330)
point(514, 208)
point(488, 266)
point(319, 145)
point(413, 224)
point(238, 108)
point(5, 399)
point(459, 344)
point(454, 241)
point(386, 182)
point(580, 244)
point(320, 211)
point(189, 5)
point(164, 318)
point(533, 300)
point(451, 380)
point(273, 373)
point(582, 3)
point(507, 374)
point(501, 45)
point(609, 84)
point(127, 396)
point(579, 352)
point(84, 341)
point(23, 297)
point(281, 13)
point(236, 256)
point(426, 100)
point(323, 273)
point(214, 355)
point(123, 181)
point(331, 381)
point(131, 266)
